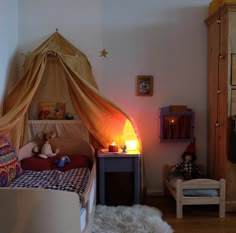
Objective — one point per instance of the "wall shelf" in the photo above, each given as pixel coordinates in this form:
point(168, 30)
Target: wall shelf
point(176, 124)
point(63, 128)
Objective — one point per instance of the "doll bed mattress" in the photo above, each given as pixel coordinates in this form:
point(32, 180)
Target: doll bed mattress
point(73, 180)
point(197, 192)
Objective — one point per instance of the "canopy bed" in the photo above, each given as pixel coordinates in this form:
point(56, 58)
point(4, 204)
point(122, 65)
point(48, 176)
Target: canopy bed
point(77, 83)
point(49, 199)
point(42, 209)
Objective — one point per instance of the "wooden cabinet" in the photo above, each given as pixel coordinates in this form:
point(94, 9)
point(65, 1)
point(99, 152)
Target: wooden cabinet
point(221, 46)
point(176, 124)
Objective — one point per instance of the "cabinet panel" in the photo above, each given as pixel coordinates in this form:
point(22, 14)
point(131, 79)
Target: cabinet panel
point(231, 187)
point(213, 73)
point(233, 102)
point(221, 154)
point(232, 33)
point(233, 69)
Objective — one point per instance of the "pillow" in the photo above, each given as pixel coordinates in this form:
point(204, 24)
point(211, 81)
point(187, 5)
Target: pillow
point(39, 164)
point(76, 161)
point(201, 192)
point(9, 165)
point(36, 164)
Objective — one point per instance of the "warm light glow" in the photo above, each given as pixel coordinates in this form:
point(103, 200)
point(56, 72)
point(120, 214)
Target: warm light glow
point(130, 133)
point(131, 145)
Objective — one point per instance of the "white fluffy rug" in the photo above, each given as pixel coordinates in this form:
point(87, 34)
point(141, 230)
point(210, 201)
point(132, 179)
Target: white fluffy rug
point(124, 219)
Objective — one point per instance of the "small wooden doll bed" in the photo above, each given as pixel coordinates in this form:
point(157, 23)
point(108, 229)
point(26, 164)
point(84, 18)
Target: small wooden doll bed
point(195, 192)
point(37, 210)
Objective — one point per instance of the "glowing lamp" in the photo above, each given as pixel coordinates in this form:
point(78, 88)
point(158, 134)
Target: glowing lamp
point(113, 147)
point(131, 145)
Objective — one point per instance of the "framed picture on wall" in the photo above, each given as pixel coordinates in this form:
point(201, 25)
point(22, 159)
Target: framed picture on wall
point(144, 85)
point(51, 111)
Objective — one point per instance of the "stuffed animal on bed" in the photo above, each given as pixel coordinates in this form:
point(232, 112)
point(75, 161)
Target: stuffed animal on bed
point(46, 150)
point(63, 161)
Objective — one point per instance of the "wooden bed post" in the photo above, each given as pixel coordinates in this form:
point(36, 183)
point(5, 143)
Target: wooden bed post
point(179, 203)
point(222, 198)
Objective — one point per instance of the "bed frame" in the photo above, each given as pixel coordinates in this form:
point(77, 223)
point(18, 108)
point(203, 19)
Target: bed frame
point(181, 200)
point(32, 210)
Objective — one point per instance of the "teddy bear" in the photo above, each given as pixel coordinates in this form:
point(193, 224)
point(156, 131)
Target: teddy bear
point(46, 149)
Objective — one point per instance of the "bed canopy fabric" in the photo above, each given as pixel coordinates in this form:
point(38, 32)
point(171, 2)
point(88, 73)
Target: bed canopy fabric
point(104, 120)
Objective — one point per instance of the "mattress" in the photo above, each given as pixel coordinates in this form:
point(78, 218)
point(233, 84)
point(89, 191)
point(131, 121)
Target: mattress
point(73, 180)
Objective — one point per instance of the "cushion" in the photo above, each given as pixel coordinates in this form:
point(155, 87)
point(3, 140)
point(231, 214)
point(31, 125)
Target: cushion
point(36, 164)
point(201, 192)
point(39, 164)
point(9, 165)
point(76, 161)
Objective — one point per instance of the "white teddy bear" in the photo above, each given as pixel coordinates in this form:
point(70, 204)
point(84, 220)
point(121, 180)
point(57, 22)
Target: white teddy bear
point(46, 149)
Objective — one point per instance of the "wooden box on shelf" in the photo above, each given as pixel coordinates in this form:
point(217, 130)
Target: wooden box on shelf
point(176, 126)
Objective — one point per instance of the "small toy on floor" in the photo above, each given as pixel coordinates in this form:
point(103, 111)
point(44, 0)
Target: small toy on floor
point(63, 161)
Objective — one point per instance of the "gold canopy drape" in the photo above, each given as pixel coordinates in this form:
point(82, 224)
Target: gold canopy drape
point(104, 120)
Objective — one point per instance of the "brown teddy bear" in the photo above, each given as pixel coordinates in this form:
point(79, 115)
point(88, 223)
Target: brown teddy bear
point(46, 149)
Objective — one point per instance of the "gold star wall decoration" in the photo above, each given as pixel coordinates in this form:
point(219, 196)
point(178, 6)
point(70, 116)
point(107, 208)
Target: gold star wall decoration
point(103, 53)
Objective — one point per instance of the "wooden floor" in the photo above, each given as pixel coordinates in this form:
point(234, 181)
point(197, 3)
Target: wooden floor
point(196, 219)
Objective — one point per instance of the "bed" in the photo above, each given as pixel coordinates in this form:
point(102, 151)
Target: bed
point(195, 192)
point(37, 209)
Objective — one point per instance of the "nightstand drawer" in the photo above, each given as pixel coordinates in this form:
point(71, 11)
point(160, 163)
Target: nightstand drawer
point(118, 164)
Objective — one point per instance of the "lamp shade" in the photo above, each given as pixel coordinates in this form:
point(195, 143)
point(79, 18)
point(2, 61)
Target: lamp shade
point(131, 145)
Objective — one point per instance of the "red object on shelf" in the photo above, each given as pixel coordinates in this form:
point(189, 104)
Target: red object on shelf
point(113, 148)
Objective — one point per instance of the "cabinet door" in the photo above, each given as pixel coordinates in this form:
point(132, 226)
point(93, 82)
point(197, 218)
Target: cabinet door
point(222, 99)
point(231, 167)
point(213, 74)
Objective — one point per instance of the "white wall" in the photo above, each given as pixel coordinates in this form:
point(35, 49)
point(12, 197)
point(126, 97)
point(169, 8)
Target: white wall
point(165, 39)
point(8, 43)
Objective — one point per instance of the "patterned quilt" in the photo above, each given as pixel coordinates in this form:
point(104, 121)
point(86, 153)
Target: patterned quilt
point(73, 180)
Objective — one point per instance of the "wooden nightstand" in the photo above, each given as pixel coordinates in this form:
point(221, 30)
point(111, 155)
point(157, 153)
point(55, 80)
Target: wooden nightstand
point(118, 162)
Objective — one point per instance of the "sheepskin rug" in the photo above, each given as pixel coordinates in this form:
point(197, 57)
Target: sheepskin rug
point(125, 219)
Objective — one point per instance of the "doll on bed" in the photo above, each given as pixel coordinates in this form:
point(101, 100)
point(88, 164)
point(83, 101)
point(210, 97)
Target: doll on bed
point(187, 168)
